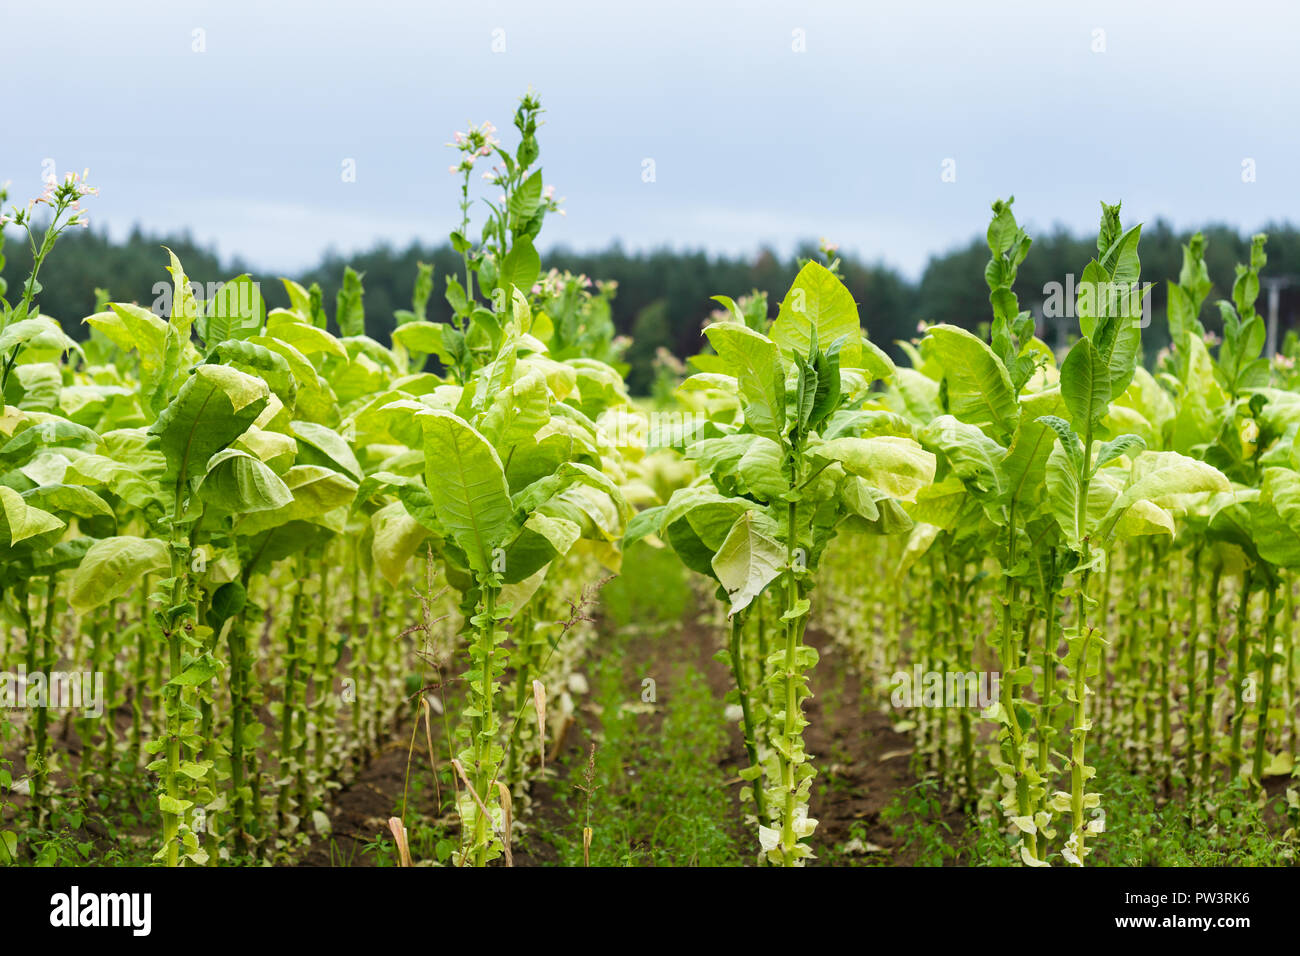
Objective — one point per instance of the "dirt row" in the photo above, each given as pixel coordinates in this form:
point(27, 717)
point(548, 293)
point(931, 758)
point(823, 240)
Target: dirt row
point(852, 741)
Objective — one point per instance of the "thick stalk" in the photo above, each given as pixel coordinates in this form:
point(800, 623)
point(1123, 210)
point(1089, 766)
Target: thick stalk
point(1104, 695)
point(42, 775)
point(1079, 732)
point(1265, 685)
point(238, 702)
point(320, 677)
point(747, 718)
point(141, 686)
point(1045, 732)
point(289, 702)
point(524, 671)
point(791, 727)
point(172, 696)
point(1211, 662)
point(1010, 660)
point(791, 750)
point(31, 663)
point(1288, 649)
point(1149, 663)
point(484, 736)
point(1165, 666)
point(357, 654)
point(1239, 675)
point(1189, 671)
point(963, 715)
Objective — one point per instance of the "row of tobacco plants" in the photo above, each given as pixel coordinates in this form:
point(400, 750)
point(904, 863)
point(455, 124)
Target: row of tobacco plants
point(1115, 544)
point(238, 546)
point(255, 542)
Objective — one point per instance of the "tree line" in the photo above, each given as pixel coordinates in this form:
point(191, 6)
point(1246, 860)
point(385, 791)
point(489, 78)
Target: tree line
point(663, 298)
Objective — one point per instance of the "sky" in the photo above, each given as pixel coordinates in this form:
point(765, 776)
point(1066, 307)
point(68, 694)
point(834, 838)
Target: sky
point(888, 128)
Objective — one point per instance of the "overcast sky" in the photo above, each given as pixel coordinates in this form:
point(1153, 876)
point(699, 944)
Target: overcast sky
point(767, 122)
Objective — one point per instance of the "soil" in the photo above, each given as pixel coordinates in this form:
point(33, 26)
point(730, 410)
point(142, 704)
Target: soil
point(854, 743)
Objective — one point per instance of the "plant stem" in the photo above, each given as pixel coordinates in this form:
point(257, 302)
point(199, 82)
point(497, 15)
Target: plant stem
point(1239, 675)
point(742, 686)
point(1265, 685)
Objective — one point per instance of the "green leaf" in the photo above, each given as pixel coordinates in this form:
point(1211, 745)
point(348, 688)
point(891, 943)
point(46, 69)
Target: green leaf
point(39, 333)
point(351, 312)
point(1163, 478)
point(425, 338)
point(1085, 385)
point(645, 523)
point(538, 542)
point(1276, 524)
point(75, 500)
point(520, 267)
point(397, 535)
point(318, 445)
point(897, 466)
point(696, 521)
point(317, 492)
point(44, 434)
point(1021, 470)
point(817, 299)
point(527, 199)
point(826, 365)
point(185, 309)
point(235, 312)
point(199, 671)
point(974, 457)
point(22, 521)
point(468, 487)
point(228, 600)
point(129, 327)
point(238, 483)
point(306, 338)
point(299, 299)
point(112, 567)
point(752, 358)
point(979, 388)
point(213, 408)
point(751, 557)
point(173, 806)
point(1121, 445)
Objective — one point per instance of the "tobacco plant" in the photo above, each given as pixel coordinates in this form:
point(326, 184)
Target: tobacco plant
point(797, 462)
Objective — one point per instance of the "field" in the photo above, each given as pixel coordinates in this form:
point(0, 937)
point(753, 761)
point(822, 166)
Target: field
point(279, 593)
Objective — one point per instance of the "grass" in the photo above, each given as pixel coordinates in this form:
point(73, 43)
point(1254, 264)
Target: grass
point(1141, 828)
point(653, 791)
point(652, 796)
point(651, 591)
